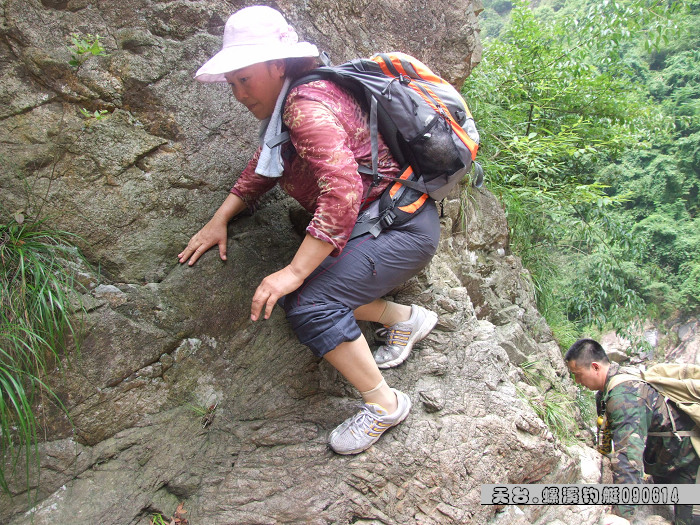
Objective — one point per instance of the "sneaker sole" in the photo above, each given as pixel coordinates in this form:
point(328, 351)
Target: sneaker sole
point(431, 319)
point(409, 405)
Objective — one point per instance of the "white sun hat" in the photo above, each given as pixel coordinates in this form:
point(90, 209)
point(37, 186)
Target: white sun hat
point(253, 35)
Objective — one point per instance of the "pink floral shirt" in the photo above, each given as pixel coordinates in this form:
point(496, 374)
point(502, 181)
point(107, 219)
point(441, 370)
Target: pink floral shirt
point(330, 135)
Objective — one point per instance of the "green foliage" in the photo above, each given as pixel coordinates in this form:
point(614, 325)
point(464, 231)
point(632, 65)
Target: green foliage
point(98, 114)
point(603, 294)
point(84, 46)
point(664, 181)
point(499, 6)
point(490, 23)
point(555, 408)
point(36, 307)
point(564, 107)
point(158, 519)
point(585, 402)
point(689, 286)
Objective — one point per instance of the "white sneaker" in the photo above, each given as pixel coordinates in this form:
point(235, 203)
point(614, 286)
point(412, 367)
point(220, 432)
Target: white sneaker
point(361, 431)
point(401, 337)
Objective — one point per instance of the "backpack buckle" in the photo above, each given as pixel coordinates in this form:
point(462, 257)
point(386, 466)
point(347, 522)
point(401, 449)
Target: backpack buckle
point(388, 219)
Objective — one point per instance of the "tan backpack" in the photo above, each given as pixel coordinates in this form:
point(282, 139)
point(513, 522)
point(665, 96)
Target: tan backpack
point(679, 383)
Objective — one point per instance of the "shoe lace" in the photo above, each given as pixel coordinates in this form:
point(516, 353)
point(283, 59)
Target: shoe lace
point(396, 336)
point(363, 420)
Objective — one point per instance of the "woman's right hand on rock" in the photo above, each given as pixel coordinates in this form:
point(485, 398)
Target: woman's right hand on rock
point(213, 233)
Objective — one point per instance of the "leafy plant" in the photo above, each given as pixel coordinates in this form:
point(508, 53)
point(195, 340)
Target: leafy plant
point(36, 317)
point(98, 114)
point(206, 414)
point(158, 519)
point(84, 46)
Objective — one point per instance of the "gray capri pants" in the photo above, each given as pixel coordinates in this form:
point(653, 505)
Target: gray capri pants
point(320, 311)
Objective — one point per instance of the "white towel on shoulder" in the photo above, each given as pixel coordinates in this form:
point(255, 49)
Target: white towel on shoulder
point(270, 160)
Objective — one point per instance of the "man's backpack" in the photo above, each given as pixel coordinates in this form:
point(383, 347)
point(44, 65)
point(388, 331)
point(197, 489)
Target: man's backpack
point(424, 121)
point(679, 383)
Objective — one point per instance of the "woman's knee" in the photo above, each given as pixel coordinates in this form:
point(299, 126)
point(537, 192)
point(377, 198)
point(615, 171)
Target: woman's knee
point(323, 326)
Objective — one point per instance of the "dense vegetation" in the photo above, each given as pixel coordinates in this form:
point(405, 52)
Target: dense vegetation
point(590, 119)
point(38, 303)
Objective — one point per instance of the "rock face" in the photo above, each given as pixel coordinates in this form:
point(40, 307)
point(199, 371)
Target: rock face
point(676, 340)
point(687, 343)
point(176, 395)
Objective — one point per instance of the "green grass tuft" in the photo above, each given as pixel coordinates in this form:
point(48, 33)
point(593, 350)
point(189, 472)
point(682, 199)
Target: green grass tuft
point(38, 299)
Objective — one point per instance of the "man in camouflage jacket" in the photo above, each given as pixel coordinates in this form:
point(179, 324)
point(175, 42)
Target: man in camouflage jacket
point(633, 410)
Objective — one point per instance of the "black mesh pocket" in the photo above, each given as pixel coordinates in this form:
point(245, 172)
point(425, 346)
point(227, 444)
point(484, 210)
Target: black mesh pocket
point(434, 151)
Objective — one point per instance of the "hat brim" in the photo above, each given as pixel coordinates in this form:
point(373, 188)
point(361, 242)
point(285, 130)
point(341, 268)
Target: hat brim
point(237, 57)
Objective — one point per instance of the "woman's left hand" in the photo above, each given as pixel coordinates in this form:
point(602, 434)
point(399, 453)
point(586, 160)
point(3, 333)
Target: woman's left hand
point(271, 289)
